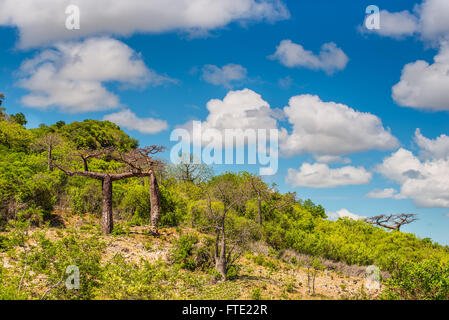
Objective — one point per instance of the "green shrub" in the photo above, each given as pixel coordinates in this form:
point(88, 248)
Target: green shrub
point(426, 280)
point(256, 295)
point(9, 286)
point(86, 198)
point(233, 272)
point(183, 251)
point(34, 216)
point(51, 258)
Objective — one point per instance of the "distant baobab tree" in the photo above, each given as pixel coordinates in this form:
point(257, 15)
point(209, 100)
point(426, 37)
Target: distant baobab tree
point(138, 163)
point(392, 221)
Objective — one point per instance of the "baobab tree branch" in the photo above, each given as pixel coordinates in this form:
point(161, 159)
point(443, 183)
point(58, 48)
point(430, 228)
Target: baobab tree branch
point(93, 175)
point(393, 222)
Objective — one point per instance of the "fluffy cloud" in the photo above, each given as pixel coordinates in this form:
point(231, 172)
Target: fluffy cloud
point(432, 149)
point(383, 194)
point(395, 24)
point(343, 213)
point(240, 109)
point(127, 119)
point(434, 21)
point(321, 176)
point(330, 59)
point(329, 128)
point(43, 21)
point(429, 20)
point(225, 76)
point(425, 182)
point(424, 86)
point(72, 76)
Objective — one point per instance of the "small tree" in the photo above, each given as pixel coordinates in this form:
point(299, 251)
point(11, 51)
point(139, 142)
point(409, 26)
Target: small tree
point(259, 190)
point(224, 193)
point(313, 268)
point(190, 171)
point(48, 143)
point(138, 163)
point(392, 221)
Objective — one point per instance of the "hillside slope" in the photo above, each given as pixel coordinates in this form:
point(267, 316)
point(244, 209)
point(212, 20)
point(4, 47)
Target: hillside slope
point(262, 275)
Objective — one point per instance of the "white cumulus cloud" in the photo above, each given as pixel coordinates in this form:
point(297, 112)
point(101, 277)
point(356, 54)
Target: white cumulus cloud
point(72, 76)
point(319, 175)
point(395, 24)
point(240, 109)
point(424, 85)
point(434, 22)
point(330, 59)
point(428, 19)
point(331, 129)
point(43, 22)
point(425, 182)
point(128, 119)
point(432, 149)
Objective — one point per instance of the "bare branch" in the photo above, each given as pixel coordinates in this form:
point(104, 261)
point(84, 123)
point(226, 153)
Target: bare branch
point(392, 222)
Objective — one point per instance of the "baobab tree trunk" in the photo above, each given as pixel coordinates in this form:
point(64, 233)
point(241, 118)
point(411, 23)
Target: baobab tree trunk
point(220, 252)
point(155, 199)
point(107, 223)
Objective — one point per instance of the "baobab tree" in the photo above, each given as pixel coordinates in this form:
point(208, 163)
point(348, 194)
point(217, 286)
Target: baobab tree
point(224, 193)
point(392, 221)
point(138, 163)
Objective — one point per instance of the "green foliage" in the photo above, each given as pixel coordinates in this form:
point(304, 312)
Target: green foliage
point(87, 198)
point(256, 295)
point(9, 286)
point(51, 258)
point(19, 118)
point(14, 135)
point(233, 272)
point(135, 201)
point(173, 207)
point(183, 251)
point(424, 280)
point(95, 135)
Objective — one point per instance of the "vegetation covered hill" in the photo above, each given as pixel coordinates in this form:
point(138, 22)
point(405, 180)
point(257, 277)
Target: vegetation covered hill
point(180, 232)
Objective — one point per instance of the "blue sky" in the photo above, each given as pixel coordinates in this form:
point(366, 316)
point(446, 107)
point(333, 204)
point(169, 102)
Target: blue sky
point(164, 85)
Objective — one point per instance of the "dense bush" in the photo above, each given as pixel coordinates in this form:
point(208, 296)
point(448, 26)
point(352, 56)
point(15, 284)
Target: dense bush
point(51, 258)
point(425, 280)
point(183, 251)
